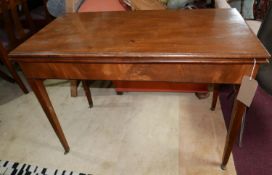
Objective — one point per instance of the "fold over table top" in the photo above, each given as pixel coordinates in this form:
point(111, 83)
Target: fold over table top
point(166, 36)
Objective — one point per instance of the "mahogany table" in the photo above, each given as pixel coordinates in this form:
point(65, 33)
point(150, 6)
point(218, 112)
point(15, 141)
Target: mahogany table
point(191, 46)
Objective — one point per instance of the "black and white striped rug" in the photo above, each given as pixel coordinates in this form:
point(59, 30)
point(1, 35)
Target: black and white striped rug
point(15, 168)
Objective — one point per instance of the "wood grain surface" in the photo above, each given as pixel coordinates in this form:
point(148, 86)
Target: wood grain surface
point(186, 73)
point(145, 36)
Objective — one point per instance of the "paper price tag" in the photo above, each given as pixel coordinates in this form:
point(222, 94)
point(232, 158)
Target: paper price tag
point(247, 90)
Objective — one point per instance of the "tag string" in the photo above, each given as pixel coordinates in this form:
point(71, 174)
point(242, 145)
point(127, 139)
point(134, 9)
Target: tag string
point(252, 71)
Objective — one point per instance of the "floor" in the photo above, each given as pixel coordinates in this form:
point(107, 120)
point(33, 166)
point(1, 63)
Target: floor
point(135, 133)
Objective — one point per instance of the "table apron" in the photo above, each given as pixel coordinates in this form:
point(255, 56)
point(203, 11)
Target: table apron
point(187, 73)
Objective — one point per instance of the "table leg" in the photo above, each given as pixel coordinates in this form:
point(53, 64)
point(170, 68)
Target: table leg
point(13, 72)
point(6, 77)
point(235, 123)
point(86, 87)
point(215, 96)
point(42, 96)
point(74, 85)
point(242, 129)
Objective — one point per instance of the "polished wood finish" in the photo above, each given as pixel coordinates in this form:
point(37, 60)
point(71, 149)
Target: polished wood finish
point(163, 37)
point(235, 123)
point(215, 96)
point(74, 85)
point(146, 86)
point(86, 87)
point(190, 46)
point(41, 94)
point(187, 73)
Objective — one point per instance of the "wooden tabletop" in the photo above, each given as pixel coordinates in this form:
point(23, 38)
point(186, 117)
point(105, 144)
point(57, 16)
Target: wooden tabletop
point(145, 36)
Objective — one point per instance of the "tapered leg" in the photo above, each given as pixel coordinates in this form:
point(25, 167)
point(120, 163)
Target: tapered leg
point(74, 85)
point(42, 96)
point(86, 87)
point(18, 79)
point(215, 96)
point(6, 77)
point(233, 131)
point(242, 129)
point(13, 72)
point(119, 93)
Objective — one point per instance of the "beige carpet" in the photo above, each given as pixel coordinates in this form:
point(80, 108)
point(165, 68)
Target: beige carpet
point(136, 133)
